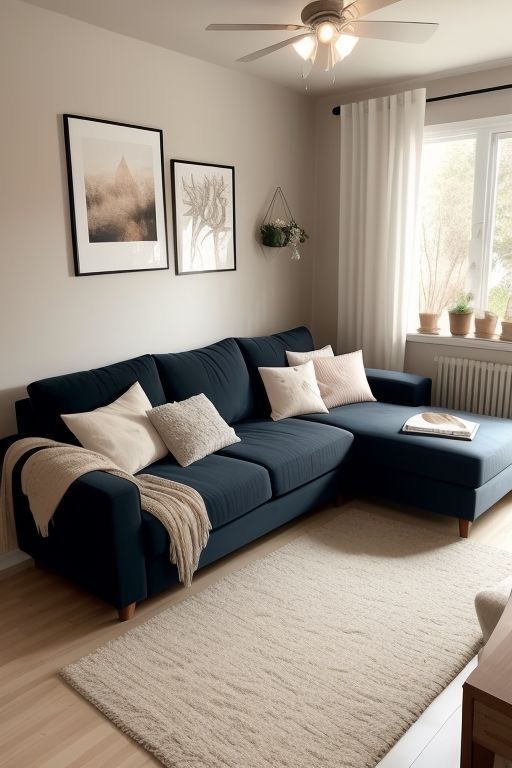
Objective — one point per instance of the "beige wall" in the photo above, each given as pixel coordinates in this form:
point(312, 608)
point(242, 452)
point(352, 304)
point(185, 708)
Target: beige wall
point(325, 281)
point(53, 322)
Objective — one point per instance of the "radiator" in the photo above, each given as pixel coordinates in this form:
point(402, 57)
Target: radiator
point(473, 385)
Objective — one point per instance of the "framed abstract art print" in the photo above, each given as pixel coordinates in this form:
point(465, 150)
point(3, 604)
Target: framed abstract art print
point(116, 195)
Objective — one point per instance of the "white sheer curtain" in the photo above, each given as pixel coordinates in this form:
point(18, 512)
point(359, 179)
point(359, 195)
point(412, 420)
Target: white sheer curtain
point(381, 142)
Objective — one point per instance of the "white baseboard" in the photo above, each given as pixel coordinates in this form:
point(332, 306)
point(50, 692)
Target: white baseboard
point(9, 559)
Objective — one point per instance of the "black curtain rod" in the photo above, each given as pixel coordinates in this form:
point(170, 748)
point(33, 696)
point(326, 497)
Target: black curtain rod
point(336, 110)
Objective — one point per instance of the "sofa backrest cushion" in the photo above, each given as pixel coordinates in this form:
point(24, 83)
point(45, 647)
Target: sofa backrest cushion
point(218, 371)
point(87, 390)
point(270, 352)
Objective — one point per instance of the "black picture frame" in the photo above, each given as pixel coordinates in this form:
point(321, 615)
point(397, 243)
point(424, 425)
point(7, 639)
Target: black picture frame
point(117, 205)
point(200, 249)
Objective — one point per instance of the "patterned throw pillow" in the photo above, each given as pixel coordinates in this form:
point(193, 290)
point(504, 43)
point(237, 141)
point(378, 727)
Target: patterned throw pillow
point(192, 429)
point(342, 379)
point(292, 391)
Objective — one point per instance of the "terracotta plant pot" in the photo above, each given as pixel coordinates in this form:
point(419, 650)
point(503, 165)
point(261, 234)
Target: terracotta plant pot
point(506, 330)
point(486, 326)
point(460, 323)
point(429, 322)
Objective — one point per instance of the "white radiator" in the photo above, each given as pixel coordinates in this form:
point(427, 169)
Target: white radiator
point(473, 385)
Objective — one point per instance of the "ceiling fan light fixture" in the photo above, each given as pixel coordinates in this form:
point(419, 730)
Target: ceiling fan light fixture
point(344, 45)
point(331, 29)
point(306, 48)
point(325, 32)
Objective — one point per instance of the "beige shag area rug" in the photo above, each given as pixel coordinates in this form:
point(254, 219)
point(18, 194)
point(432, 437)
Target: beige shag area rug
point(320, 655)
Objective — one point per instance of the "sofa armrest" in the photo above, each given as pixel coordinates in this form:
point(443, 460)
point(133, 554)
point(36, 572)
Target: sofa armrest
point(399, 388)
point(95, 537)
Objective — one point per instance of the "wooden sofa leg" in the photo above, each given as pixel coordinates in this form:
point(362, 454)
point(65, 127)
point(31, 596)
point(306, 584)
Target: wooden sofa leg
point(127, 613)
point(464, 526)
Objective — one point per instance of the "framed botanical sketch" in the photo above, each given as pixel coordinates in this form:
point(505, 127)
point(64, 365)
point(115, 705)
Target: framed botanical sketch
point(203, 206)
point(116, 195)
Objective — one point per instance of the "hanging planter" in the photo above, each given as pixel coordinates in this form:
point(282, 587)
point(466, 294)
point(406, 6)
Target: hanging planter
point(273, 234)
point(282, 232)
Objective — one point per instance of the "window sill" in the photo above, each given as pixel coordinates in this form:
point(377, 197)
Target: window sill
point(471, 342)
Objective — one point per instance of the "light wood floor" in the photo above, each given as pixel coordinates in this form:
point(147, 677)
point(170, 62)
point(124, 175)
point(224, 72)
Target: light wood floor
point(46, 623)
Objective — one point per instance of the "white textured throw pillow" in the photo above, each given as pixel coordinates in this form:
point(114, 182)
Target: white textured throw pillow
point(292, 391)
point(192, 429)
point(298, 358)
point(342, 379)
point(121, 431)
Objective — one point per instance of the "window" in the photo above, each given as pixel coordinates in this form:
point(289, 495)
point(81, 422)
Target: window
point(465, 217)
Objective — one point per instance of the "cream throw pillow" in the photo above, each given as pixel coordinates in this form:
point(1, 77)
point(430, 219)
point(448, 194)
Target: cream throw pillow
point(298, 358)
point(342, 379)
point(292, 391)
point(192, 429)
point(120, 431)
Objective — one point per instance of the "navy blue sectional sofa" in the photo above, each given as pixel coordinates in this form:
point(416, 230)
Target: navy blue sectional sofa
point(103, 541)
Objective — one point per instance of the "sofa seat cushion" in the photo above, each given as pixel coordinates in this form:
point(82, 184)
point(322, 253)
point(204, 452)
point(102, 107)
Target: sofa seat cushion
point(230, 489)
point(292, 451)
point(379, 440)
point(217, 371)
point(87, 390)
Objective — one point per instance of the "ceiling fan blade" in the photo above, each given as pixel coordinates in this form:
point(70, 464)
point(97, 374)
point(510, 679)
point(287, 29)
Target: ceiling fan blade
point(253, 27)
point(272, 48)
point(399, 31)
point(363, 7)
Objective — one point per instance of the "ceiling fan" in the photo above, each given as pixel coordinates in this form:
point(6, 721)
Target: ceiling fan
point(332, 29)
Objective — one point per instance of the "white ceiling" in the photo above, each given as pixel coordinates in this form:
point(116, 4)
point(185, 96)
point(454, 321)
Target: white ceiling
point(471, 33)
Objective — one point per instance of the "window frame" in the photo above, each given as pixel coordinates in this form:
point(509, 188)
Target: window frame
point(487, 132)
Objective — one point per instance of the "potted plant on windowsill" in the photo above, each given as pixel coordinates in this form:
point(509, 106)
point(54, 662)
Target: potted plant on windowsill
point(429, 322)
point(461, 315)
point(441, 272)
point(506, 330)
point(506, 323)
point(485, 324)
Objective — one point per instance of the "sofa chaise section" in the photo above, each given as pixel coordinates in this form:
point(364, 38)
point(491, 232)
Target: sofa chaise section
point(452, 477)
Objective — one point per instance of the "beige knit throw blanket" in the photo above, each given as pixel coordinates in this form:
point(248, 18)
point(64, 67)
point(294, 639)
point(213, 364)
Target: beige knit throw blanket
point(47, 474)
